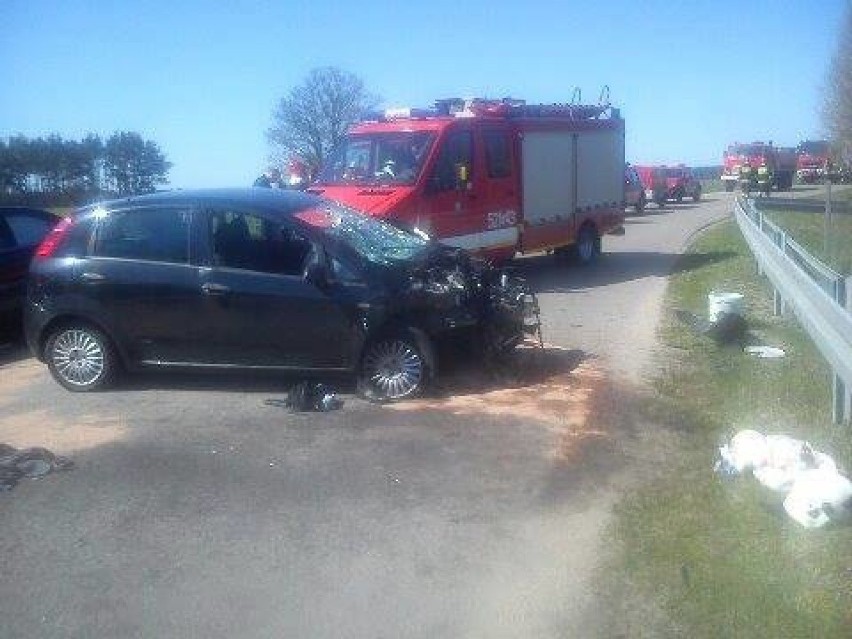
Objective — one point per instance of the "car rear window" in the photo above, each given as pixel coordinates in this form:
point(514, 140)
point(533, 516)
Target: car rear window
point(28, 230)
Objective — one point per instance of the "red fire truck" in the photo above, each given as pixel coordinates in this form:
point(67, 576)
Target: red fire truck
point(740, 163)
point(814, 161)
point(496, 177)
point(654, 180)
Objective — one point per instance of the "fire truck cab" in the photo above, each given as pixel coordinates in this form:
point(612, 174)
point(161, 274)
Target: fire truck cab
point(740, 161)
point(813, 161)
point(494, 177)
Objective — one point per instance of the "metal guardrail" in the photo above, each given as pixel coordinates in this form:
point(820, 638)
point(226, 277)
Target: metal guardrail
point(815, 293)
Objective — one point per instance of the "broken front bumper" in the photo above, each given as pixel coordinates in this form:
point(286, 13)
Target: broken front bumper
point(515, 314)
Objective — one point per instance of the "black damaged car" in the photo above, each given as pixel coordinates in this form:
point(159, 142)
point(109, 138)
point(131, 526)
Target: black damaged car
point(258, 279)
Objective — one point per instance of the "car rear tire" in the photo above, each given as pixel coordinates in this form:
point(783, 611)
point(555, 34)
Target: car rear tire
point(81, 358)
point(395, 367)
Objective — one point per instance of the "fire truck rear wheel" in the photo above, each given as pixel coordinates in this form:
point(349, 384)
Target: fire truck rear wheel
point(588, 246)
point(640, 204)
point(729, 185)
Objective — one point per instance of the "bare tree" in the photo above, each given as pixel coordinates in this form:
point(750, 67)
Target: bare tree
point(837, 110)
point(310, 120)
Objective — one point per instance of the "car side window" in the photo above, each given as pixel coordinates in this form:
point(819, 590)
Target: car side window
point(252, 242)
point(498, 157)
point(28, 230)
point(456, 152)
point(78, 240)
point(156, 234)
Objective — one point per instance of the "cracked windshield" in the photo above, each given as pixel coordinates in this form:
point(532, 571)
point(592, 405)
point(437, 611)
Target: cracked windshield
point(346, 320)
point(372, 239)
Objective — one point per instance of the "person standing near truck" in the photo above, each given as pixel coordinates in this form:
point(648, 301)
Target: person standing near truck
point(764, 178)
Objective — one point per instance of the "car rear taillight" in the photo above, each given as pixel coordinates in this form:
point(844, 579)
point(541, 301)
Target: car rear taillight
point(53, 240)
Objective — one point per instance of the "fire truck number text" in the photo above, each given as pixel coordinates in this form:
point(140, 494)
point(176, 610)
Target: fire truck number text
point(500, 219)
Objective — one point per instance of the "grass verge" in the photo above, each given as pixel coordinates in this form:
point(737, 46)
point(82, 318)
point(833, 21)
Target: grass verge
point(719, 557)
point(808, 229)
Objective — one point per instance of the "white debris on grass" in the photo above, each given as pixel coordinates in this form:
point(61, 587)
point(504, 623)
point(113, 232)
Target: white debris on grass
point(816, 491)
point(765, 352)
point(745, 451)
point(818, 496)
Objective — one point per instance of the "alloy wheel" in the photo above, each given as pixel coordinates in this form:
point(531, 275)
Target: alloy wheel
point(394, 369)
point(78, 357)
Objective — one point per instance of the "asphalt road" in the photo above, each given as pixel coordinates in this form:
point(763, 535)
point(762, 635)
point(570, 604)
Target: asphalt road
point(198, 508)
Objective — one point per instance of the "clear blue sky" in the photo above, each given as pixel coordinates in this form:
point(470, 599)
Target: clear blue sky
point(202, 77)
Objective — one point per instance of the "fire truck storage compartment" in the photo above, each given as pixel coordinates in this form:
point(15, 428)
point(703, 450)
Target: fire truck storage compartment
point(548, 176)
point(600, 169)
point(554, 188)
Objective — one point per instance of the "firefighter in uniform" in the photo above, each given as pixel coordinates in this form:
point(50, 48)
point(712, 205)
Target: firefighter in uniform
point(744, 178)
point(764, 179)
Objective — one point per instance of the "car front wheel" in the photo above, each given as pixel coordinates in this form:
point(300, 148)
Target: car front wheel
point(395, 367)
point(80, 358)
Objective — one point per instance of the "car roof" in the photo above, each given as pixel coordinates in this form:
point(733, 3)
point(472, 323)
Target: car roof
point(11, 210)
point(277, 200)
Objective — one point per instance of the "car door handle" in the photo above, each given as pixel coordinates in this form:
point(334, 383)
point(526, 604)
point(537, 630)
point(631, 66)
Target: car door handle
point(211, 288)
point(90, 276)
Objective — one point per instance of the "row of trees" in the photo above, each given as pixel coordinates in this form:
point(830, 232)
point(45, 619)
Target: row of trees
point(54, 170)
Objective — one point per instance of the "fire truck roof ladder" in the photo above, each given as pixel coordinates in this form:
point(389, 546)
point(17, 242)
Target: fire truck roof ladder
point(505, 107)
point(512, 107)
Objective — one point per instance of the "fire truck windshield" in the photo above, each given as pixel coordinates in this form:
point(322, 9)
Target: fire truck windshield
point(378, 158)
point(749, 149)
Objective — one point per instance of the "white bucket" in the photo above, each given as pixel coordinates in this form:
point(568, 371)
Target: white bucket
point(724, 303)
